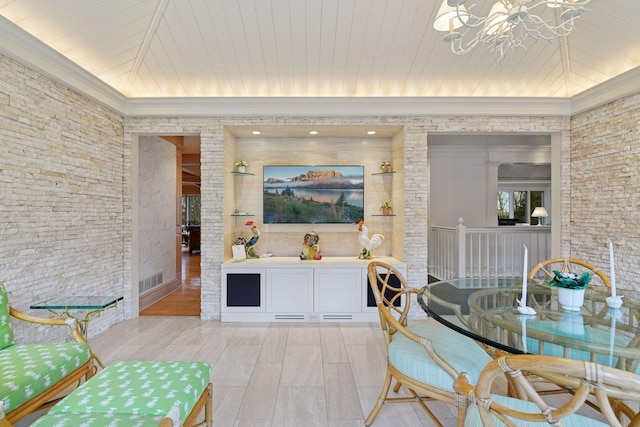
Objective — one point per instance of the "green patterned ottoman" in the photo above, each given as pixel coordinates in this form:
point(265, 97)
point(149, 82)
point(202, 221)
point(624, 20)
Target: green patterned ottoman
point(137, 394)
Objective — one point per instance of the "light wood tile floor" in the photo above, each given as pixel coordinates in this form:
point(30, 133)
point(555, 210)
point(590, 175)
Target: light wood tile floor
point(278, 374)
point(285, 374)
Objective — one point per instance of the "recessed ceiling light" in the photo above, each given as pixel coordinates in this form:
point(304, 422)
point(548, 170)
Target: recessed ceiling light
point(371, 132)
point(255, 132)
point(313, 132)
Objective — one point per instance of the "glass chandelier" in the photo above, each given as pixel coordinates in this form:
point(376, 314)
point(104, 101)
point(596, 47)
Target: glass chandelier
point(508, 26)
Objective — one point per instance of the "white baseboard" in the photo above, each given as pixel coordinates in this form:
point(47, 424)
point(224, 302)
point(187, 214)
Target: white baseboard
point(156, 294)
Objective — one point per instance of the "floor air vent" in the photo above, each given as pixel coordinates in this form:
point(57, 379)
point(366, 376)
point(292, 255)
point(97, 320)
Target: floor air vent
point(289, 316)
point(337, 317)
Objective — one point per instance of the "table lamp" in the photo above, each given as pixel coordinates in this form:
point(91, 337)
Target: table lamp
point(539, 212)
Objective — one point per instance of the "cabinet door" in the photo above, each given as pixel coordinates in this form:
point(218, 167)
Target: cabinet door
point(337, 290)
point(289, 290)
point(243, 291)
point(368, 300)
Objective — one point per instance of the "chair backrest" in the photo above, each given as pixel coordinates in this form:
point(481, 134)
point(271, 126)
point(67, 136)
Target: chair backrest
point(390, 290)
point(609, 387)
point(544, 270)
point(6, 332)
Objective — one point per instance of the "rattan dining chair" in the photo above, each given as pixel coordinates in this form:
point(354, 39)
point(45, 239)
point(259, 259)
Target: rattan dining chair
point(544, 270)
point(424, 357)
point(609, 389)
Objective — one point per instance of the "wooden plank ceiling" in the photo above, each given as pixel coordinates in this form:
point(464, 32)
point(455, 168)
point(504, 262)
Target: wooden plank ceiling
point(239, 48)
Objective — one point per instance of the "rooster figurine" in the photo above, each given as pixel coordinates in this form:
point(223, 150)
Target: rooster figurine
point(368, 244)
point(252, 241)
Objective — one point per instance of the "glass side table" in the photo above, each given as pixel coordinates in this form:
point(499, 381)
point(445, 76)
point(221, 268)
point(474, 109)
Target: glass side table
point(72, 307)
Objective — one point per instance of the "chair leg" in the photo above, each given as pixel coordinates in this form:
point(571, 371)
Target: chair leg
point(381, 399)
point(208, 408)
point(420, 401)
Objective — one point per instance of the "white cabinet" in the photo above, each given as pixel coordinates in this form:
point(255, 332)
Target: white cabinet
point(289, 289)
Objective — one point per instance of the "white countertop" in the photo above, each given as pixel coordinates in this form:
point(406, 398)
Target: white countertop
point(333, 261)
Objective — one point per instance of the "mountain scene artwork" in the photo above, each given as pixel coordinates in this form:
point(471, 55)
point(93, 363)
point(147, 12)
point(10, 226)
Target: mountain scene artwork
point(313, 194)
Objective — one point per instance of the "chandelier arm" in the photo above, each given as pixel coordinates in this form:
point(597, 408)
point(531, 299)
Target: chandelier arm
point(573, 5)
point(540, 27)
point(458, 49)
point(479, 22)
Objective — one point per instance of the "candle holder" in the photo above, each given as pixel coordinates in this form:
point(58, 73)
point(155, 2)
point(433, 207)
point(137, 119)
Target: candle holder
point(614, 302)
point(525, 309)
point(614, 314)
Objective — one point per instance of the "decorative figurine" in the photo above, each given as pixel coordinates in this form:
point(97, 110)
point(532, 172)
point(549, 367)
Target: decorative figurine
point(368, 244)
point(311, 249)
point(253, 240)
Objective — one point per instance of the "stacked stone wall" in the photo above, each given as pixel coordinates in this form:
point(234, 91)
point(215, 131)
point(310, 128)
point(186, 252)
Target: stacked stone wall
point(61, 216)
point(605, 187)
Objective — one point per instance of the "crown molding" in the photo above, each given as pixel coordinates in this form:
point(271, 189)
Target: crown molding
point(618, 87)
point(26, 49)
point(348, 106)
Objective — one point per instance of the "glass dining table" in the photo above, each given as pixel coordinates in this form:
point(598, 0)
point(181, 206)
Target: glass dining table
point(485, 309)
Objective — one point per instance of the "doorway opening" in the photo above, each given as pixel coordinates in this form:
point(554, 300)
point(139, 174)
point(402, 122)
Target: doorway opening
point(185, 299)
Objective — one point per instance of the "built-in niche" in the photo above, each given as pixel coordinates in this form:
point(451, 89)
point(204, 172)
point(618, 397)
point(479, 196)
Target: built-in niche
point(336, 239)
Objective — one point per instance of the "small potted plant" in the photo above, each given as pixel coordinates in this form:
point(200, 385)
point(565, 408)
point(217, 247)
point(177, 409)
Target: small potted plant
point(386, 208)
point(571, 288)
point(242, 166)
point(385, 165)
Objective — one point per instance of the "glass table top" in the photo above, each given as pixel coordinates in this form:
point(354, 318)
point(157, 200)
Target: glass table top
point(92, 302)
point(486, 310)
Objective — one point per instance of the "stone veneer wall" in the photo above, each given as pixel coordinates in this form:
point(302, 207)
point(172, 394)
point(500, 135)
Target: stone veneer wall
point(61, 196)
point(605, 188)
point(66, 188)
point(416, 176)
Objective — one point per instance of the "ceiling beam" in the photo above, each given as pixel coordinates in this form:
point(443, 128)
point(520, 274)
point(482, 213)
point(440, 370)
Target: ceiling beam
point(146, 42)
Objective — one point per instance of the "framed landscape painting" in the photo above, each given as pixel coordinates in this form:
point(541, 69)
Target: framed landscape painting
point(313, 194)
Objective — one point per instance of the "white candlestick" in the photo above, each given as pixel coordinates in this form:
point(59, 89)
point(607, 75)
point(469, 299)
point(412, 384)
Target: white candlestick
point(612, 271)
point(523, 324)
point(523, 300)
point(612, 338)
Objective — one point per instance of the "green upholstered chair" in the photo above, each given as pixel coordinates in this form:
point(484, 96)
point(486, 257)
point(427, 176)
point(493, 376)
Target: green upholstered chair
point(591, 384)
point(31, 375)
point(426, 357)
